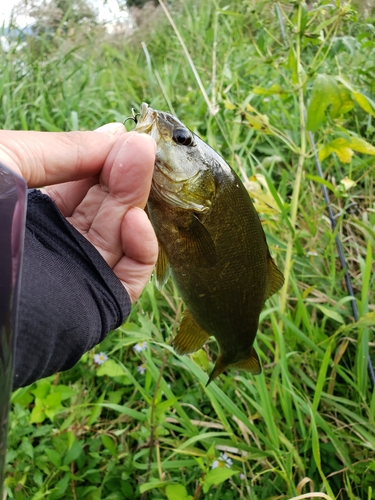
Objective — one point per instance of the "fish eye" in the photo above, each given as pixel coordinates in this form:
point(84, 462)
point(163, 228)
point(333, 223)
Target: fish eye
point(182, 136)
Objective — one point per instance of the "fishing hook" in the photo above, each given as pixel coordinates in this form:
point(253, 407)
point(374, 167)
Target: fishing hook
point(134, 117)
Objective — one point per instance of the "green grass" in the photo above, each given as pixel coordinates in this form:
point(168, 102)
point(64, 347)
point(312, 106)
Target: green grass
point(306, 425)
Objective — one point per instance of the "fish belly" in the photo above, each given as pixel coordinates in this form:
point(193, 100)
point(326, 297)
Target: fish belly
point(225, 292)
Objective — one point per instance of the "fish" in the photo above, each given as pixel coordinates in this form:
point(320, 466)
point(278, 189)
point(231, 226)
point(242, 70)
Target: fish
point(211, 242)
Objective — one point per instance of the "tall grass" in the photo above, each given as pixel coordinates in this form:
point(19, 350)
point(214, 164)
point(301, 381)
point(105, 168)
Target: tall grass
point(305, 427)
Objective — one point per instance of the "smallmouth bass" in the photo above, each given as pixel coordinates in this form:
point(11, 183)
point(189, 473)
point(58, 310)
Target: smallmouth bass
point(211, 241)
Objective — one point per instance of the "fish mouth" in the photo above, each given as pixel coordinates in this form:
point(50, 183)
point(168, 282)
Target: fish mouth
point(156, 123)
point(144, 110)
point(146, 120)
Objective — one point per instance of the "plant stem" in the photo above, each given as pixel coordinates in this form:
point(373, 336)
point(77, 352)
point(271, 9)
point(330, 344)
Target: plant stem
point(298, 177)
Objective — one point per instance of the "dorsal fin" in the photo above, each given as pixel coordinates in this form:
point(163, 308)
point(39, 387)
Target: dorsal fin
point(276, 277)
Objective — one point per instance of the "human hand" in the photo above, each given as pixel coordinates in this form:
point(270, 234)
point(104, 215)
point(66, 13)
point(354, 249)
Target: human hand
point(100, 181)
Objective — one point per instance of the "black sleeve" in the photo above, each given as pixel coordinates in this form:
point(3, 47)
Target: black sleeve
point(69, 300)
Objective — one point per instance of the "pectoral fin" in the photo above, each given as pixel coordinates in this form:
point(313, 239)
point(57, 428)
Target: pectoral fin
point(276, 277)
point(162, 269)
point(190, 336)
point(199, 246)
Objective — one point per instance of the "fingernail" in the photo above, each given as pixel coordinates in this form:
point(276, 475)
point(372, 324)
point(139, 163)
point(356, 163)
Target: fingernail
point(112, 128)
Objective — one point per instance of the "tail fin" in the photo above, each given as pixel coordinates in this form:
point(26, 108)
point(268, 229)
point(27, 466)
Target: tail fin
point(250, 364)
point(220, 366)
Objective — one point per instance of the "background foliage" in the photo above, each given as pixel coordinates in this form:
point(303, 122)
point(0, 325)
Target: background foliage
point(143, 424)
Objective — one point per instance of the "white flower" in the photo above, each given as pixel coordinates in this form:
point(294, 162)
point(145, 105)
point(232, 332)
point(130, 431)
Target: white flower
point(140, 347)
point(222, 461)
point(242, 476)
point(100, 358)
point(142, 368)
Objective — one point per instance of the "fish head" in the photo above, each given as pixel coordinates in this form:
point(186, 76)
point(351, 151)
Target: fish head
point(182, 175)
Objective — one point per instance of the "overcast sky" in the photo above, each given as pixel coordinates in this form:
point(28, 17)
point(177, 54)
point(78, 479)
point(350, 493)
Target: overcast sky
point(107, 13)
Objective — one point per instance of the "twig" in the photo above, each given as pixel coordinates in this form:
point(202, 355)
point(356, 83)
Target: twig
point(153, 426)
point(213, 109)
point(298, 177)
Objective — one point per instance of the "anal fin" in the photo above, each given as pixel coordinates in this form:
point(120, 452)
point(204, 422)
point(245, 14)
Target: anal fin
point(190, 336)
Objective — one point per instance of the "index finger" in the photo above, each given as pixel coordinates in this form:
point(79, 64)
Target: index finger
point(45, 158)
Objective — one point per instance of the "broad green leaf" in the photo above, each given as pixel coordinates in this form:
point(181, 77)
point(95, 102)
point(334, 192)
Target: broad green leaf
point(200, 358)
point(177, 492)
point(38, 478)
point(331, 314)
point(229, 105)
point(292, 64)
point(217, 476)
point(96, 411)
point(109, 444)
point(124, 410)
point(27, 448)
point(338, 146)
point(344, 105)
point(74, 452)
point(367, 320)
point(22, 396)
point(274, 89)
point(110, 368)
point(54, 457)
point(361, 146)
point(38, 412)
point(60, 489)
point(256, 120)
point(42, 389)
point(319, 180)
point(115, 396)
point(344, 148)
point(259, 191)
point(65, 391)
point(365, 102)
point(325, 93)
point(53, 401)
point(52, 404)
point(153, 484)
point(324, 24)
